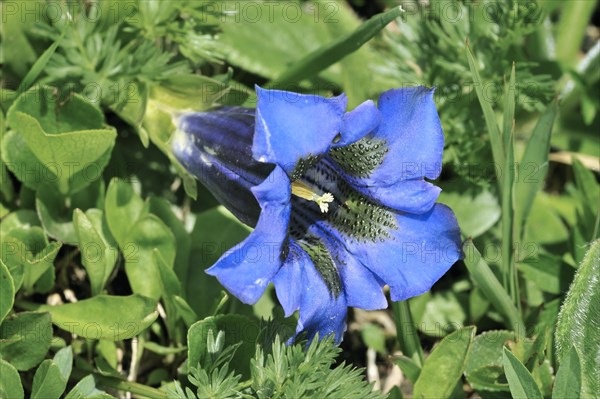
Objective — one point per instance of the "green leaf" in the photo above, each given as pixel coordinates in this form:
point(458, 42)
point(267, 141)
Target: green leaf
point(487, 282)
point(105, 317)
point(38, 66)
point(484, 365)
point(123, 207)
point(26, 251)
point(25, 339)
point(249, 45)
point(578, 319)
point(521, 383)
point(10, 383)
point(7, 291)
point(327, 55)
point(99, 252)
point(548, 272)
point(67, 137)
point(146, 235)
point(56, 211)
point(170, 288)
point(203, 291)
point(509, 108)
point(162, 208)
point(568, 377)
point(86, 389)
point(477, 209)
point(489, 115)
point(64, 360)
point(533, 167)
point(20, 218)
point(443, 314)
point(444, 367)
point(48, 382)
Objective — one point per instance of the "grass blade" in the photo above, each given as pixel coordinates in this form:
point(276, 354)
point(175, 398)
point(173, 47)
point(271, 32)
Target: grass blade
point(326, 56)
point(486, 280)
point(509, 108)
point(38, 66)
point(509, 273)
point(489, 115)
point(533, 167)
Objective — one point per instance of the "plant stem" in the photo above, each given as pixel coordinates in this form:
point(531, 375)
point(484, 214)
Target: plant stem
point(573, 22)
point(406, 331)
point(120, 385)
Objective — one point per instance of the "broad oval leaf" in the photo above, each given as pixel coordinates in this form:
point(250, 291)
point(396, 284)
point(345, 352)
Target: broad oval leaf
point(105, 316)
point(67, 136)
point(7, 291)
point(123, 207)
point(10, 383)
point(99, 252)
point(444, 367)
point(48, 382)
point(25, 339)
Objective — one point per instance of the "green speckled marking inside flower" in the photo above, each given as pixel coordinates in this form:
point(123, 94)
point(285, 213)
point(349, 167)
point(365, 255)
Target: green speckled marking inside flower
point(303, 165)
point(323, 262)
point(361, 158)
point(351, 213)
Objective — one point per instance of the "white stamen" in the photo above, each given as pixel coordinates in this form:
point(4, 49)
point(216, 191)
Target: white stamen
point(324, 201)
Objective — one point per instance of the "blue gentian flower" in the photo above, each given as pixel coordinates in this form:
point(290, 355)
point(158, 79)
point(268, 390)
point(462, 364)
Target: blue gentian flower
point(339, 200)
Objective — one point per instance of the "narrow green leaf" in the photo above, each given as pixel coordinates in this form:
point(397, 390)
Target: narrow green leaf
point(327, 55)
point(533, 168)
point(170, 288)
point(568, 378)
point(105, 317)
point(39, 66)
point(490, 117)
point(509, 108)
point(509, 272)
point(485, 279)
point(406, 330)
point(444, 367)
point(574, 17)
point(48, 382)
point(521, 382)
point(578, 319)
point(7, 291)
point(10, 383)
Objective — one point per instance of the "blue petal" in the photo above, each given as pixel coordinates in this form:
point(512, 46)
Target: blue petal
point(300, 286)
point(291, 127)
point(412, 196)
point(247, 269)
point(358, 123)
point(411, 133)
point(362, 288)
point(418, 253)
point(411, 127)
